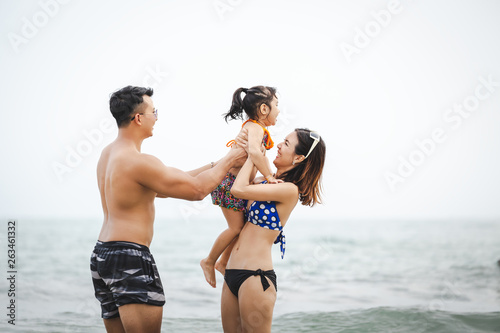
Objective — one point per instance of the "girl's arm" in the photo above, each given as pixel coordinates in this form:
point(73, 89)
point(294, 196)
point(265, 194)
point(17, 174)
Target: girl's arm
point(255, 134)
point(243, 189)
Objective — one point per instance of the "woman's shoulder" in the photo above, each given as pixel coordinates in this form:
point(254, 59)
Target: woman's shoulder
point(285, 192)
point(292, 189)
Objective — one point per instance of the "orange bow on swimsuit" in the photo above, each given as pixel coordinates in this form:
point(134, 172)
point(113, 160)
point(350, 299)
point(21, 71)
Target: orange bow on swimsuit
point(266, 140)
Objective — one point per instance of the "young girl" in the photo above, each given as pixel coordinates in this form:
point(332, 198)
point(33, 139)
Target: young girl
point(261, 107)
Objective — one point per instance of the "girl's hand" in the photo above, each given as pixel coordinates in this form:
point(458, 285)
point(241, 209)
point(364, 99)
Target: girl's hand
point(271, 180)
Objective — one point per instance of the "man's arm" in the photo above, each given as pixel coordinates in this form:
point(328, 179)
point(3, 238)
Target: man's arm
point(175, 183)
point(242, 142)
point(196, 172)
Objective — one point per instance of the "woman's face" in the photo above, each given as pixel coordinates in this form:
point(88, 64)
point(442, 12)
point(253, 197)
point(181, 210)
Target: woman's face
point(286, 151)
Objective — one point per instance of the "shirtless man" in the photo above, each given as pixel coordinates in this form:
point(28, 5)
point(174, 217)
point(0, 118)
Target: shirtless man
point(124, 273)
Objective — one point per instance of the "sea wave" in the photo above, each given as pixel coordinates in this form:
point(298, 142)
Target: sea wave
point(388, 320)
point(374, 320)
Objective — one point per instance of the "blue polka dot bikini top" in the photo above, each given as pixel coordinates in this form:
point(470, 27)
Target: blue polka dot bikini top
point(265, 215)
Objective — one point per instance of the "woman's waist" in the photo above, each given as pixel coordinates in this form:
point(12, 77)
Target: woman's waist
point(236, 263)
point(251, 257)
point(254, 233)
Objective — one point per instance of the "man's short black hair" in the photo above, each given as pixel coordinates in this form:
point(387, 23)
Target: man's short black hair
point(124, 102)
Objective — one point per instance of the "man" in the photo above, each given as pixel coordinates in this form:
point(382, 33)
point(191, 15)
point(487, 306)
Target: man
point(124, 272)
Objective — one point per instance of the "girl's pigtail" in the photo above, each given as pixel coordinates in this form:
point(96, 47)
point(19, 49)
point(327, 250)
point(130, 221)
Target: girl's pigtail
point(236, 110)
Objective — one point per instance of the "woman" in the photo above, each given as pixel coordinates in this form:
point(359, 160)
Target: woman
point(249, 291)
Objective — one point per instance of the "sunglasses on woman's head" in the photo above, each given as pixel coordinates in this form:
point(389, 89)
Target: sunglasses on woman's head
point(315, 136)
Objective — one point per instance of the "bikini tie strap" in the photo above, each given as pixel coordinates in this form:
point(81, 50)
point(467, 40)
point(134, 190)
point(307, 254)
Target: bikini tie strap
point(263, 280)
point(282, 240)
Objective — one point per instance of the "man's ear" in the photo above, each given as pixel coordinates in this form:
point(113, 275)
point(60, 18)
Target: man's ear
point(134, 120)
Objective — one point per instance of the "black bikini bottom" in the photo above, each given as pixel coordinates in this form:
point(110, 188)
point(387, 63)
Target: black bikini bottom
point(235, 277)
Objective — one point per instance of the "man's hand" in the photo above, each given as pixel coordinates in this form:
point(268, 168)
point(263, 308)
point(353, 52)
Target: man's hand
point(242, 139)
point(238, 155)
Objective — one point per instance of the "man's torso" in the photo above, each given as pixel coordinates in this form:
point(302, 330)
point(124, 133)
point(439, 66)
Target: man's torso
point(128, 206)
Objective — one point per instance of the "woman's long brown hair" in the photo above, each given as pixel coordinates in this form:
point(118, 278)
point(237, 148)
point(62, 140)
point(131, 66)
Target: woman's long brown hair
point(307, 174)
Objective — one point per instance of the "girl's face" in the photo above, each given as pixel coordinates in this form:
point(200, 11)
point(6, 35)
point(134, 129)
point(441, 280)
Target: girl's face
point(286, 151)
point(270, 118)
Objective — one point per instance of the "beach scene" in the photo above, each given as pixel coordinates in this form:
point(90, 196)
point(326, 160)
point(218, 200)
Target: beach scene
point(403, 94)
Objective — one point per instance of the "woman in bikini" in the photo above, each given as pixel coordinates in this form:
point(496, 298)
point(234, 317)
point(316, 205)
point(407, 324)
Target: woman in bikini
point(249, 291)
point(260, 105)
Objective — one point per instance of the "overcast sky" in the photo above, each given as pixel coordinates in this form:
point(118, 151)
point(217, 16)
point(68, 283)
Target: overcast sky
point(406, 95)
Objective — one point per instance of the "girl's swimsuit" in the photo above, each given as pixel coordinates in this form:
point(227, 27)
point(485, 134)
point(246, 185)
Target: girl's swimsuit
point(222, 196)
point(266, 139)
point(265, 215)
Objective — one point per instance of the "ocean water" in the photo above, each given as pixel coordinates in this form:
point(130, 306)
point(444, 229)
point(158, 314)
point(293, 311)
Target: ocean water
point(337, 276)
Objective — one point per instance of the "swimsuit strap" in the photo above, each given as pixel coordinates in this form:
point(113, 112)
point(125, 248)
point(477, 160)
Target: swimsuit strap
point(267, 136)
point(268, 142)
point(282, 240)
point(263, 280)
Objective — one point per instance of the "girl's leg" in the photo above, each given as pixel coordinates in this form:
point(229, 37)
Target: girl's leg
point(235, 224)
point(221, 264)
point(256, 305)
point(230, 312)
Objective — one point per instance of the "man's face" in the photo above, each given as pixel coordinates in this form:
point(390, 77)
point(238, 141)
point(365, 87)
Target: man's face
point(147, 114)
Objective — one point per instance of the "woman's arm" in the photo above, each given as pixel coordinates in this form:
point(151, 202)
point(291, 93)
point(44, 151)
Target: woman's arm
point(243, 189)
